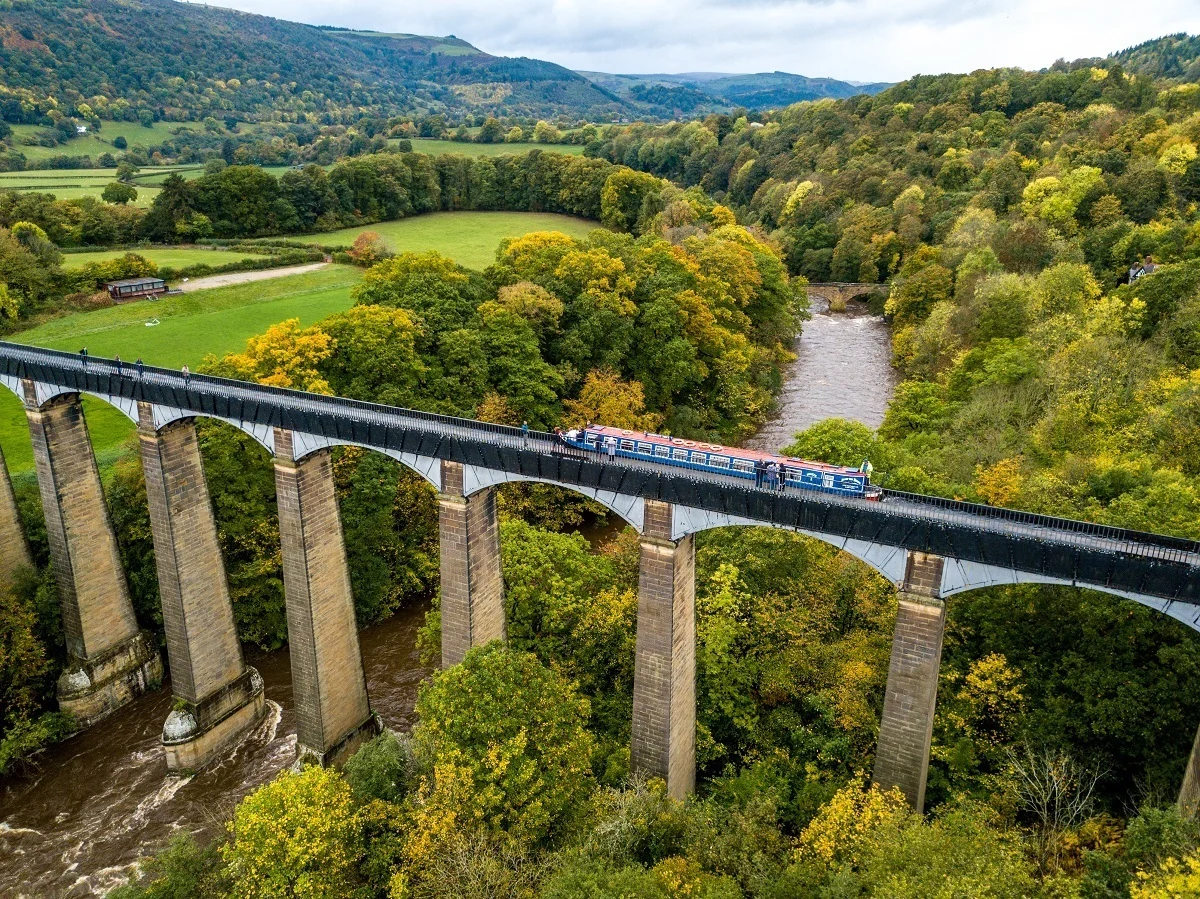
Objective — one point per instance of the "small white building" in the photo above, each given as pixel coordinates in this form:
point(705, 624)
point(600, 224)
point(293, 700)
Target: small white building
point(81, 129)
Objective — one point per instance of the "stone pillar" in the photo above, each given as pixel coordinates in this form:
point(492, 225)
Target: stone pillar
point(333, 714)
point(109, 661)
point(472, 585)
point(905, 732)
point(14, 548)
point(664, 679)
point(1189, 793)
point(217, 698)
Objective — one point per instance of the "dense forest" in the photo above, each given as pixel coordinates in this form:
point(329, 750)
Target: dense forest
point(1040, 235)
point(1007, 210)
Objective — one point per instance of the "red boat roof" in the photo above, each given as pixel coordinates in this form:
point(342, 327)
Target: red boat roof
point(646, 437)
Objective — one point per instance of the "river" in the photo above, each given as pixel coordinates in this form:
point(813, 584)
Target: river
point(102, 800)
point(843, 369)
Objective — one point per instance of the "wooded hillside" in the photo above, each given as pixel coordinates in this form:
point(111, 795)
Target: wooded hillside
point(184, 61)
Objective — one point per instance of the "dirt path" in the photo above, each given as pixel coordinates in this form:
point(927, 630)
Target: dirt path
point(246, 277)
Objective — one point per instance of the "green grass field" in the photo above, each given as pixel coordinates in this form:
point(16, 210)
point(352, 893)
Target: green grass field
point(136, 136)
point(173, 257)
point(71, 184)
point(470, 238)
point(190, 327)
point(442, 147)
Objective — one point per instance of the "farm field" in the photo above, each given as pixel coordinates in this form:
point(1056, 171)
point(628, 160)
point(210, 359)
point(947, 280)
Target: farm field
point(190, 327)
point(470, 238)
point(71, 184)
point(172, 257)
point(136, 136)
point(442, 147)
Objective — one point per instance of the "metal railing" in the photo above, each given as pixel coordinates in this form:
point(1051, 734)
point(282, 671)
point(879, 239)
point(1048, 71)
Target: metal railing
point(1172, 547)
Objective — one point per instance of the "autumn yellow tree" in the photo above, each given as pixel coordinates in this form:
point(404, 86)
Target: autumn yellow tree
point(608, 399)
point(285, 355)
point(534, 303)
point(294, 838)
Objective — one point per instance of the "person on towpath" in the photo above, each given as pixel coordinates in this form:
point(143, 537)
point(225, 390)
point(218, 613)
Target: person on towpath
point(611, 446)
point(187, 376)
point(120, 367)
point(525, 432)
point(84, 356)
point(141, 368)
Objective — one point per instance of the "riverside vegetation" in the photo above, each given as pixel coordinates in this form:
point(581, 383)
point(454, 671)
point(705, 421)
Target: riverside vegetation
point(1004, 207)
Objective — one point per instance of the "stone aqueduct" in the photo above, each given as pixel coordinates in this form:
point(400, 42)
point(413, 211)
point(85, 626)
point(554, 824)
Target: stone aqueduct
point(929, 548)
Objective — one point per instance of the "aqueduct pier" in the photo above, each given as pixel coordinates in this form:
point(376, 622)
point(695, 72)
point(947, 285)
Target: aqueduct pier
point(929, 547)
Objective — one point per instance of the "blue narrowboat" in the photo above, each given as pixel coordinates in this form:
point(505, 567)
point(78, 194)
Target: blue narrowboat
point(724, 460)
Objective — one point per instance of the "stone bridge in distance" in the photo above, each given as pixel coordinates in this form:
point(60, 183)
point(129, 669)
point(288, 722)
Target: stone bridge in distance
point(928, 547)
point(833, 292)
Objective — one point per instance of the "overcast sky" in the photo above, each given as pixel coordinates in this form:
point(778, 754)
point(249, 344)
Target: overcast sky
point(861, 40)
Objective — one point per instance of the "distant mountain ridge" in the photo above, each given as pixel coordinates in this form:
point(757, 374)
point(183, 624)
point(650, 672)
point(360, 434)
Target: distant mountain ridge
point(697, 92)
point(165, 55)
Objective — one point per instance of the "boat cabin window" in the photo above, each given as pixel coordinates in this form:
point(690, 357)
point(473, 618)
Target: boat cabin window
point(645, 449)
point(680, 454)
point(700, 458)
point(662, 451)
point(627, 445)
point(719, 461)
point(743, 465)
point(590, 439)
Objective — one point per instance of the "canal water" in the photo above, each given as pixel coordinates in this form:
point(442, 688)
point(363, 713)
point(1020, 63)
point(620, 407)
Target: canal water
point(102, 800)
point(843, 369)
